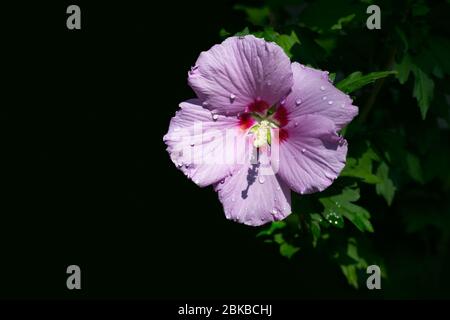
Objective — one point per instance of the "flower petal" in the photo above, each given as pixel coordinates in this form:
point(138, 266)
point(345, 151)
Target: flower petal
point(312, 155)
point(312, 93)
point(254, 195)
point(231, 76)
point(206, 147)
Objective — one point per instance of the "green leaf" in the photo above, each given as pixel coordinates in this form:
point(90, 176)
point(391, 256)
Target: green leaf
point(244, 32)
point(342, 21)
point(285, 41)
point(351, 263)
point(349, 272)
point(286, 249)
point(224, 33)
point(386, 187)
point(276, 225)
point(423, 90)
point(362, 168)
point(414, 167)
point(357, 80)
point(316, 219)
point(257, 16)
point(342, 205)
point(404, 69)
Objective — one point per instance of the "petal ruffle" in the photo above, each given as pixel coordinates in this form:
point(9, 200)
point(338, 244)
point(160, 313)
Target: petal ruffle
point(312, 93)
point(231, 76)
point(312, 155)
point(206, 147)
point(254, 195)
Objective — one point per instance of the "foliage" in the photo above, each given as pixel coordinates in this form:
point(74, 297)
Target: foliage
point(398, 145)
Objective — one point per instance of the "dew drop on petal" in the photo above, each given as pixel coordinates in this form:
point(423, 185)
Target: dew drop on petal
point(232, 97)
point(278, 188)
point(295, 124)
point(192, 144)
point(274, 211)
point(330, 102)
point(322, 88)
point(215, 116)
point(324, 98)
point(303, 150)
point(261, 179)
point(205, 103)
point(269, 83)
point(298, 102)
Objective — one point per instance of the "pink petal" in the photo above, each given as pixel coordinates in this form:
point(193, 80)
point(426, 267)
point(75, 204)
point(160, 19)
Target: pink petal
point(313, 154)
point(312, 93)
point(254, 196)
point(207, 147)
point(233, 75)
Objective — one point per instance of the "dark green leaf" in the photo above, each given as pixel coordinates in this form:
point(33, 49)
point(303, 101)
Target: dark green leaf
point(414, 168)
point(386, 187)
point(404, 69)
point(362, 168)
point(257, 16)
point(342, 206)
point(276, 225)
point(357, 80)
point(423, 90)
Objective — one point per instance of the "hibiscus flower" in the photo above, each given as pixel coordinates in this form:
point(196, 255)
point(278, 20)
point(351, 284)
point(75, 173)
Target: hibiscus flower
point(259, 128)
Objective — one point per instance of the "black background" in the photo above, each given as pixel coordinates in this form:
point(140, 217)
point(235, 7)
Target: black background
point(86, 179)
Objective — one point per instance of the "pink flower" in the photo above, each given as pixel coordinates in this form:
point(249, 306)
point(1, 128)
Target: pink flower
point(260, 127)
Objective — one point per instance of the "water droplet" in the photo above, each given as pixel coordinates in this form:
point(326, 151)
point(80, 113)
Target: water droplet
point(343, 105)
point(232, 97)
point(192, 144)
point(205, 103)
point(232, 200)
point(187, 165)
point(241, 37)
point(278, 188)
point(282, 102)
point(222, 181)
point(303, 150)
point(269, 83)
point(274, 211)
point(261, 179)
point(298, 102)
point(295, 124)
point(324, 98)
point(197, 181)
point(322, 88)
point(332, 217)
point(215, 116)
point(179, 164)
point(330, 102)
